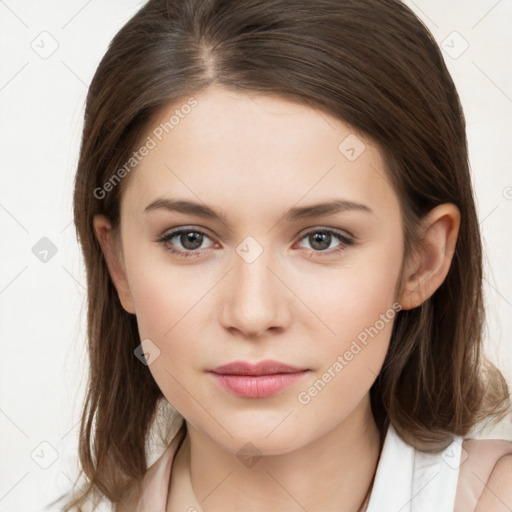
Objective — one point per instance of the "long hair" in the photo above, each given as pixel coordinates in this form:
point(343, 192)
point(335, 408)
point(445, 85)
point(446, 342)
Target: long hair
point(373, 65)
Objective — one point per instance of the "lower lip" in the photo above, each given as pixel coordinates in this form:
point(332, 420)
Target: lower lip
point(261, 386)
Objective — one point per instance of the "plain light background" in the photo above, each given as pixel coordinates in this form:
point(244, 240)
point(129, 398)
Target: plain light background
point(49, 52)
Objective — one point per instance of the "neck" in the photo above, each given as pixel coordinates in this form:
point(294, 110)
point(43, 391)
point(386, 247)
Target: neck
point(333, 472)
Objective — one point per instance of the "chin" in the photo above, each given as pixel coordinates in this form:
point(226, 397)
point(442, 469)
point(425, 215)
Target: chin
point(258, 437)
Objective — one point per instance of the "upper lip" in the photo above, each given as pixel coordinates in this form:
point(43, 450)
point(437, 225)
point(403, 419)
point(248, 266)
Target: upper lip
point(267, 367)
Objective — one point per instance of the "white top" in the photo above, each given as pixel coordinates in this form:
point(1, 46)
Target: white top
point(406, 480)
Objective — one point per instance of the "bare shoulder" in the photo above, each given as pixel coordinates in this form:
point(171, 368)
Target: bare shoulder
point(497, 495)
point(485, 476)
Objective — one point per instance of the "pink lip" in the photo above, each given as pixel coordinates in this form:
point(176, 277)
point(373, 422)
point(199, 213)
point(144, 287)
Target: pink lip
point(257, 380)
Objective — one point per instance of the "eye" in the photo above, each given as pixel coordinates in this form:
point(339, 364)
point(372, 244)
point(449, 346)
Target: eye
point(321, 239)
point(190, 239)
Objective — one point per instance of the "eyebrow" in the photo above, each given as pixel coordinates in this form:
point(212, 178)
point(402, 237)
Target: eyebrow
point(293, 214)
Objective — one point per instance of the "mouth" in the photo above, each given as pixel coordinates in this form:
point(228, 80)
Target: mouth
point(267, 367)
point(260, 380)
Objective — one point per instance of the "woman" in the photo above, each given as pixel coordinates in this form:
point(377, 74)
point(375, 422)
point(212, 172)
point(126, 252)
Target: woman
point(275, 208)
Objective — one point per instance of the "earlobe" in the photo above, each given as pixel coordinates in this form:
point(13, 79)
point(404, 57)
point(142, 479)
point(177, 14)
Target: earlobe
point(113, 259)
point(428, 266)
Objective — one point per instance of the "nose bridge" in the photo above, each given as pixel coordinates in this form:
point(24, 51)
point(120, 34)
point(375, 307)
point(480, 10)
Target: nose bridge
point(255, 300)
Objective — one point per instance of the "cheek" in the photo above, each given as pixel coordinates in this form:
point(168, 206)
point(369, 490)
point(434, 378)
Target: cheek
point(160, 305)
point(170, 314)
point(166, 295)
point(349, 362)
point(359, 309)
point(172, 305)
point(358, 295)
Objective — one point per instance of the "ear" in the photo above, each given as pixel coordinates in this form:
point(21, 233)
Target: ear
point(428, 266)
point(114, 259)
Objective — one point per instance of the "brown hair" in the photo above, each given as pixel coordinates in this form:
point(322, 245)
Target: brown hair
point(372, 64)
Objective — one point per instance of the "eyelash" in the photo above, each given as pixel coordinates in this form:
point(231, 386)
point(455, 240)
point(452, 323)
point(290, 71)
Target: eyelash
point(186, 254)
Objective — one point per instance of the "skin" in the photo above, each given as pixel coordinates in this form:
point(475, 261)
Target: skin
point(485, 475)
point(253, 157)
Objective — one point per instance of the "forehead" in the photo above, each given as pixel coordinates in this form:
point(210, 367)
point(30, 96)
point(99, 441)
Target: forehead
point(256, 151)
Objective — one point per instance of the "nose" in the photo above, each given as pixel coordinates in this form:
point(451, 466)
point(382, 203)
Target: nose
point(257, 298)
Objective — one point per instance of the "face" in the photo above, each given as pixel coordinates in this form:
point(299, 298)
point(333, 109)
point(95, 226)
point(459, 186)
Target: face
point(268, 277)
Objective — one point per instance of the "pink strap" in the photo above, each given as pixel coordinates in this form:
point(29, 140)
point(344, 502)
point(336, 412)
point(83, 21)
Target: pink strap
point(155, 484)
